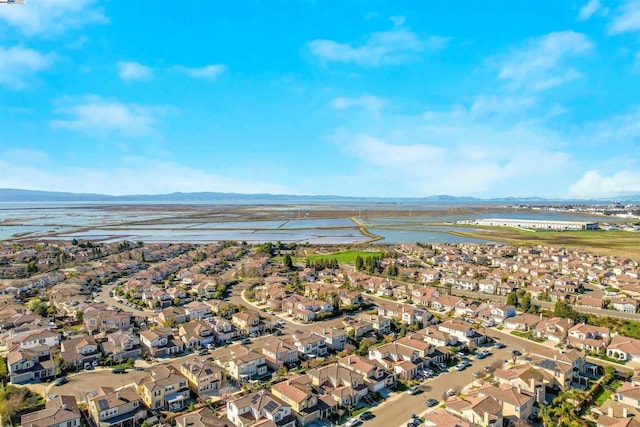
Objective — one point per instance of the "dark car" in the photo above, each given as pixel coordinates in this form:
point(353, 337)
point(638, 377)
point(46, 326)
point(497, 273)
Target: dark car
point(61, 381)
point(431, 403)
point(498, 344)
point(366, 416)
point(118, 371)
point(516, 353)
point(245, 341)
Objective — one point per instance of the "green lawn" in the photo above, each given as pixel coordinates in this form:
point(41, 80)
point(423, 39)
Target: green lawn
point(602, 397)
point(345, 257)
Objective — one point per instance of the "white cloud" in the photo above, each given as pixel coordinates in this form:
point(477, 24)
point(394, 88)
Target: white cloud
point(47, 17)
point(152, 176)
point(615, 130)
point(134, 71)
point(594, 184)
point(460, 152)
point(588, 9)
point(209, 72)
point(627, 18)
point(96, 115)
point(500, 106)
point(369, 103)
point(382, 48)
point(543, 62)
point(19, 65)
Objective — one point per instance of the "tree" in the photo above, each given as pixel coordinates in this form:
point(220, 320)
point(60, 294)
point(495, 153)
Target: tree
point(525, 303)
point(512, 299)
point(359, 263)
point(288, 262)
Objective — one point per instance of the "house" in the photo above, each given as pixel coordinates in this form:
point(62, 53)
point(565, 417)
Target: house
point(445, 302)
point(196, 334)
point(105, 320)
point(122, 345)
point(79, 352)
point(524, 377)
point(246, 364)
point(47, 338)
point(357, 327)
point(248, 322)
point(305, 403)
point(61, 411)
point(259, 408)
point(394, 354)
point(522, 322)
point(625, 305)
point(436, 337)
point(171, 316)
point(111, 407)
point(335, 338)
point(628, 394)
point(374, 374)
point(516, 404)
point(623, 348)
point(381, 324)
point(160, 342)
point(165, 389)
point(561, 367)
point(346, 386)
point(588, 337)
point(462, 331)
point(441, 418)
point(278, 353)
point(197, 310)
point(310, 344)
point(203, 417)
point(477, 409)
point(554, 329)
point(25, 365)
point(501, 312)
point(205, 378)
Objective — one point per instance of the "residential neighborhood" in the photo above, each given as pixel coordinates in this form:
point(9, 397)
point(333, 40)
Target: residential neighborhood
point(229, 334)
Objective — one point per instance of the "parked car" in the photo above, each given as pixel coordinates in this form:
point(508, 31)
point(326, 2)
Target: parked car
point(451, 392)
point(414, 390)
point(118, 371)
point(367, 415)
point(431, 403)
point(460, 367)
point(498, 344)
point(245, 341)
point(61, 381)
point(478, 374)
point(203, 352)
point(281, 322)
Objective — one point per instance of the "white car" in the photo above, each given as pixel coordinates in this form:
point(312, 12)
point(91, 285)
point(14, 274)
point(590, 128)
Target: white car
point(281, 322)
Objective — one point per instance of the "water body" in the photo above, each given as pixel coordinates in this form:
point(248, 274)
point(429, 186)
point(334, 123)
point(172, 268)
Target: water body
point(200, 222)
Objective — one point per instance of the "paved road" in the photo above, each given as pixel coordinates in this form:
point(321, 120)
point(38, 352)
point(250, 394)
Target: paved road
point(398, 410)
point(104, 295)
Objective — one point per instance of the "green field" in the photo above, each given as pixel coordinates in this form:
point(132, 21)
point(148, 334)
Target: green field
point(345, 257)
point(621, 243)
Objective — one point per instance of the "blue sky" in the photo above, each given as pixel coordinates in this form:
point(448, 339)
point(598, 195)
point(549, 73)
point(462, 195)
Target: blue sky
point(362, 98)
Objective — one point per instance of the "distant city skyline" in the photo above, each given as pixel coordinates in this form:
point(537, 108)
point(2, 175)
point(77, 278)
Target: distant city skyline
point(370, 99)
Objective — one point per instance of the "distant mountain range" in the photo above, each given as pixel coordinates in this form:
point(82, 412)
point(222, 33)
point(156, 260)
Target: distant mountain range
point(17, 195)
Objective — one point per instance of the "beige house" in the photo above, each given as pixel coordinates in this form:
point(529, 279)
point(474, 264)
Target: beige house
point(205, 378)
point(109, 407)
point(165, 389)
point(59, 412)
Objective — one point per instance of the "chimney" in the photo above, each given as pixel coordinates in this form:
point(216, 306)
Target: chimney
point(486, 418)
point(610, 411)
point(624, 412)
